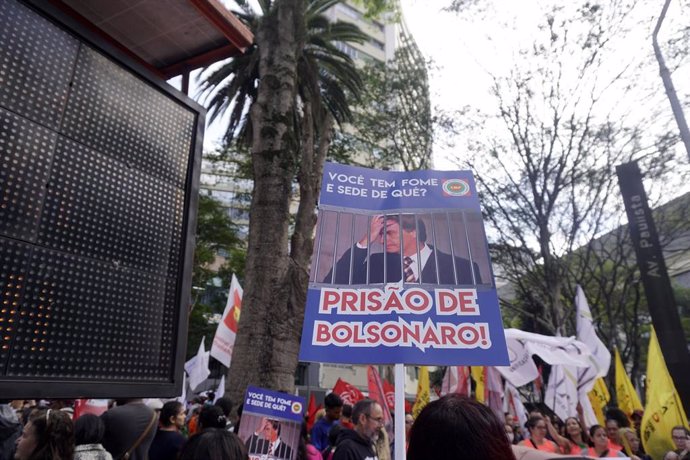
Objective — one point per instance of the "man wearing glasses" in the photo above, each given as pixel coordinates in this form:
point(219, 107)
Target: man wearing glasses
point(681, 439)
point(358, 444)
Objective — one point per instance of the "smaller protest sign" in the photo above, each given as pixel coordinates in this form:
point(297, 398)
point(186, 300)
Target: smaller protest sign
point(271, 424)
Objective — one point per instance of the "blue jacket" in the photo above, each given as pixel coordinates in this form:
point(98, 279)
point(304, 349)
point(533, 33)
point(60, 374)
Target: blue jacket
point(319, 433)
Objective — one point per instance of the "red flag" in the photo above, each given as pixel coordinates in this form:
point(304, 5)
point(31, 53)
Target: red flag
point(408, 407)
point(312, 409)
point(89, 406)
point(389, 392)
point(377, 393)
point(350, 394)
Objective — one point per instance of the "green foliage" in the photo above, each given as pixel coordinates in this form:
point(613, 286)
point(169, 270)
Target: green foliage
point(326, 76)
point(392, 123)
point(375, 8)
point(215, 232)
point(210, 283)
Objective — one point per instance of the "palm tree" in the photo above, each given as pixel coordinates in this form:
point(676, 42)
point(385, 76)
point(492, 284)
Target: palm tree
point(326, 75)
point(284, 96)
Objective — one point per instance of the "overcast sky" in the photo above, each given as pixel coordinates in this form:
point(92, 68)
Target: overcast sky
point(465, 47)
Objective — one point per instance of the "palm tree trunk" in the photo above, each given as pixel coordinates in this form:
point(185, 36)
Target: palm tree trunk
point(668, 82)
point(265, 353)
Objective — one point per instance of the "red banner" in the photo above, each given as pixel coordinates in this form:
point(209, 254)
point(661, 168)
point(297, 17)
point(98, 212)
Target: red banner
point(377, 393)
point(389, 392)
point(347, 392)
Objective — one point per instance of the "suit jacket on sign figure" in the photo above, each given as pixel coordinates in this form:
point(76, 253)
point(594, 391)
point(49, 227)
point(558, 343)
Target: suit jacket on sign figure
point(268, 441)
point(412, 241)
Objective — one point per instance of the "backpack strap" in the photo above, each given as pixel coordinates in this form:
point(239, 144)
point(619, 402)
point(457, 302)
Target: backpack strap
point(141, 438)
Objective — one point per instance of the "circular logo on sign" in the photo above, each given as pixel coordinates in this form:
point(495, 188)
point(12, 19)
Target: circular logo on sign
point(296, 407)
point(455, 187)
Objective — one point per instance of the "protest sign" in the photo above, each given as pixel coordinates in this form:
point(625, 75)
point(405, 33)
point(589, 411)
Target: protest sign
point(401, 272)
point(271, 424)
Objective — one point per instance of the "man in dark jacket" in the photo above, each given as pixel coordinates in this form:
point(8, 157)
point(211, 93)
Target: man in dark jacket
point(358, 444)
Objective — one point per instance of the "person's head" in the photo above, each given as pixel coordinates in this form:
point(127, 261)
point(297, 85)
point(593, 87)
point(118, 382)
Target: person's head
point(334, 406)
point(413, 231)
point(680, 437)
point(636, 418)
point(598, 438)
point(535, 413)
point(225, 405)
point(510, 433)
point(409, 420)
point(172, 415)
point(536, 425)
point(88, 429)
point(630, 439)
point(612, 428)
point(671, 455)
point(346, 415)
point(615, 413)
point(456, 426)
point(211, 417)
point(49, 434)
point(271, 429)
point(573, 428)
point(367, 416)
point(214, 444)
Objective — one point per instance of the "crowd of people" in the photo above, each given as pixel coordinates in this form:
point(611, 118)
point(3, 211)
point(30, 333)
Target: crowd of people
point(451, 427)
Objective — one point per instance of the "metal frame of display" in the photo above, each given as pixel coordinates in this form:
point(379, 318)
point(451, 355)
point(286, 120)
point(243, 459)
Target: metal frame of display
point(15, 388)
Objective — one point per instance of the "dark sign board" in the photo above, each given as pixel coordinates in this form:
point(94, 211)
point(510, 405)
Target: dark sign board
point(99, 167)
point(657, 286)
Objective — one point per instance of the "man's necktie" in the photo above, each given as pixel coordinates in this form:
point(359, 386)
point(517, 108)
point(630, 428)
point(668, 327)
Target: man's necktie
point(409, 274)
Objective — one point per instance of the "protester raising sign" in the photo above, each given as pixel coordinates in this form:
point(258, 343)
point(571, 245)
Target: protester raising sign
point(271, 424)
point(401, 271)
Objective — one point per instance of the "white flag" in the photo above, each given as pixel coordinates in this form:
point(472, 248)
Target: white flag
point(554, 350)
point(600, 357)
point(494, 391)
point(522, 369)
point(514, 406)
point(561, 391)
point(220, 391)
point(197, 367)
point(224, 340)
point(183, 397)
point(588, 411)
point(456, 380)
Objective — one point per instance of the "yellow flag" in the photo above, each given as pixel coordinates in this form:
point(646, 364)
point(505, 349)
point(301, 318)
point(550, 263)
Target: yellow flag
point(478, 377)
point(422, 391)
point(664, 409)
point(628, 401)
point(599, 396)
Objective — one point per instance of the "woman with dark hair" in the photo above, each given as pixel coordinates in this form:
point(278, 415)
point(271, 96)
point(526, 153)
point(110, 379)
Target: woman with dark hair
point(212, 417)
point(455, 427)
point(537, 427)
point(576, 434)
point(214, 444)
point(48, 435)
point(168, 440)
point(599, 443)
point(88, 433)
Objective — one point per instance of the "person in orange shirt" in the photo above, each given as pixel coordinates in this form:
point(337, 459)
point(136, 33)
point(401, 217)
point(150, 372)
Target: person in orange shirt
point(613, 434)
point(600, 444)
point(537, 436)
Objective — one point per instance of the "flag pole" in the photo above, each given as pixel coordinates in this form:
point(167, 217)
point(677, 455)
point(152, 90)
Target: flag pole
point(400, 412)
